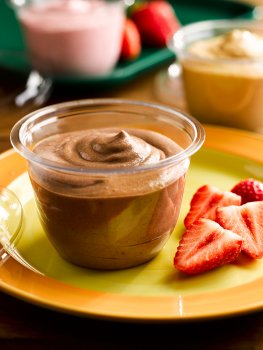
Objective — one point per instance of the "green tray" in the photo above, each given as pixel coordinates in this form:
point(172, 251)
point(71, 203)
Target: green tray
point(13, 56)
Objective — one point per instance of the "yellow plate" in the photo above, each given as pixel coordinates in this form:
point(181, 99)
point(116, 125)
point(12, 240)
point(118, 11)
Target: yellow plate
point(154, 291)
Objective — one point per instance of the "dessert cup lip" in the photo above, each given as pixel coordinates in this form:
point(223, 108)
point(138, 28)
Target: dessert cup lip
point(17, 5)
point(187, 120)
point(177, 46)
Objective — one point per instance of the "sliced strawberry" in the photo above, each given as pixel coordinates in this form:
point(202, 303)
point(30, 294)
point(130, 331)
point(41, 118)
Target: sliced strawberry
point(156, 21)
point(247, 221)
point(131, 41)
point(206, 200)
point(249, 190)
point(205, 246)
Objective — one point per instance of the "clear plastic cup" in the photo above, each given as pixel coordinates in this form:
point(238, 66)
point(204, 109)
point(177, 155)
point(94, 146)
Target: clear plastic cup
point(11, 222)
point(72, 37)
point(218, 90)
point(110, 216)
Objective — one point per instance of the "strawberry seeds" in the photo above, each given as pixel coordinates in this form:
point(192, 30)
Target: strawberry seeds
point(219, 227)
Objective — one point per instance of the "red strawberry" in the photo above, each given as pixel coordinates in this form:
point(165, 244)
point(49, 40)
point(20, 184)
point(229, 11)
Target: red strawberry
point(205, 246)
point(131, 41)
point(247, 221)
point(206, 200)
point(249, 190)
point(156, 21)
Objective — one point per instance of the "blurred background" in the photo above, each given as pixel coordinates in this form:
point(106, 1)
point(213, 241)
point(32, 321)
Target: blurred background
point(139, 73)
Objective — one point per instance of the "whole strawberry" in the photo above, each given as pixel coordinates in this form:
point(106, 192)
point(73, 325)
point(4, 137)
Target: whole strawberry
point(250, 190)
point(131, 41)
point(156, 21)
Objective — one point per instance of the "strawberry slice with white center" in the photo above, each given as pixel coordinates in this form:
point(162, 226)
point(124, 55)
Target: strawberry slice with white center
point(205, 246)
point(247, 221)
point(205, 201)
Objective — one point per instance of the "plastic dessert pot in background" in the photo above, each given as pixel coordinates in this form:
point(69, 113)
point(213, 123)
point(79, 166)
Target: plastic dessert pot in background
point(108, 176)
point(72, 36)
point(222, 71)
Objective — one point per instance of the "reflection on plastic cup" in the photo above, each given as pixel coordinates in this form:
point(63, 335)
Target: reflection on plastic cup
point(11, 227)
point(11, 222)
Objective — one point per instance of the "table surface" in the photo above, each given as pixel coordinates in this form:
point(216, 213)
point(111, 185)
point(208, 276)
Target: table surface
point(26, 326)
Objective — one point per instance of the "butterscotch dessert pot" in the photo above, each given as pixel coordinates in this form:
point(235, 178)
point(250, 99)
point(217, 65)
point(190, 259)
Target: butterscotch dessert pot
point(108, 176)
point(222, 71)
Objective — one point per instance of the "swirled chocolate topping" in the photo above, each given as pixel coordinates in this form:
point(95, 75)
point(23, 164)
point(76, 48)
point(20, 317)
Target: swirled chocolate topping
point(107, 148)
point(101, 149)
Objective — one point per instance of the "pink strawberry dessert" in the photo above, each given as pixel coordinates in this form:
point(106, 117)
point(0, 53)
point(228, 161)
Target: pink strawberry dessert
point(73, 36)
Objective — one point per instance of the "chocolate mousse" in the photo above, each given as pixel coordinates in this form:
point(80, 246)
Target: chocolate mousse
point(98, 208)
